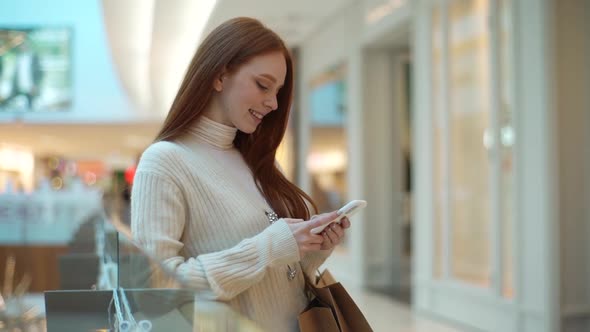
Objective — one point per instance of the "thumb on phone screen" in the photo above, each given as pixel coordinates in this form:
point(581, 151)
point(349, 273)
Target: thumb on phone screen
point(322, 219)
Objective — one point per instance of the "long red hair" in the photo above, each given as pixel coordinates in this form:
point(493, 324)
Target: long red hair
point(227, 47)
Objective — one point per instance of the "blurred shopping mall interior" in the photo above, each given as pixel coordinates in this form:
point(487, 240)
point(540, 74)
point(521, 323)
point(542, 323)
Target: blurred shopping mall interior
point(463, 123)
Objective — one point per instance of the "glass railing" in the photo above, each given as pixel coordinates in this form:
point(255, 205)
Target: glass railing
point(128, 301)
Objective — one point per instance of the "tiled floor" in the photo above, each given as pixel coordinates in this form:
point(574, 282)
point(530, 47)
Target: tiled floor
point(387, 315)
point(383, 313)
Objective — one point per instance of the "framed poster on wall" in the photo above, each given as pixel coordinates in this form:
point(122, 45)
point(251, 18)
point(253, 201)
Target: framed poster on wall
point(35, 69)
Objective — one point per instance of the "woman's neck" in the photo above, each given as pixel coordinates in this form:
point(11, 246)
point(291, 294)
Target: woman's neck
point(217, 135)
point(215, 112)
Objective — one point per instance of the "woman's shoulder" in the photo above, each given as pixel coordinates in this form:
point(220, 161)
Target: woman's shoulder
point(162, 151)
point(159, 156)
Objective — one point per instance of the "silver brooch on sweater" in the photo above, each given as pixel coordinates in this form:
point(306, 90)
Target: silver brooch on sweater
point(291, 272)
point(272, 218)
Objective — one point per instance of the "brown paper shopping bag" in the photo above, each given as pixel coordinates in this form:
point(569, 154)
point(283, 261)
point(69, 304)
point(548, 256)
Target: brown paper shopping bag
point(331, 308)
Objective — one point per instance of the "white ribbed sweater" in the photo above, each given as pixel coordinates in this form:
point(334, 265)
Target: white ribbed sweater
point(195, 206)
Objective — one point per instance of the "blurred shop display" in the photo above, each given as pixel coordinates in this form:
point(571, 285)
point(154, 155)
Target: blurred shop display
point(25, 171)
point(66, 192)
point(45, 216)
point(16, 168)
point(35, 69)
point(327, 160)
point(63, 173)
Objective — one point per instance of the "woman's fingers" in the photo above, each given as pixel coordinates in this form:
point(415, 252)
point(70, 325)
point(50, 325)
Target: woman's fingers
point(316, 239)
point(327, 241)
point(345, 222)
point(338, 230)
point(332, 235)
point(321, 219)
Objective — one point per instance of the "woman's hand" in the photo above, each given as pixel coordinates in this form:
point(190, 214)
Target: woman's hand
point(334, 234)
point(306, 241)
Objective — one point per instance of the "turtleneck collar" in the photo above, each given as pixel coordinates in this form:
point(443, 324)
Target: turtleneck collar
point(214, 133)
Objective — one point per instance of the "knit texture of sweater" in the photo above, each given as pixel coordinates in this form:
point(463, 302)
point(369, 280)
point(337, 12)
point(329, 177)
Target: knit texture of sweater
point(196, 208)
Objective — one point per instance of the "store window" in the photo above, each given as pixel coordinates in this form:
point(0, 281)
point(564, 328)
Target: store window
point(469, 114)
point(465, 142)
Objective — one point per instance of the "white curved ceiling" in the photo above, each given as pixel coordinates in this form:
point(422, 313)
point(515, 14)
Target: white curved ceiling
point(152, 41)
point(151, 44)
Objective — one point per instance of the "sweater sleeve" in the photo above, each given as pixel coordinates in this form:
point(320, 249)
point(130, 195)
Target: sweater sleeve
point(158, 220)
point(312, 261)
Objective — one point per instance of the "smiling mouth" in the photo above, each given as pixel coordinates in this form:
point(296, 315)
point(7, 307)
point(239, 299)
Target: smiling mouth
point(256, 114)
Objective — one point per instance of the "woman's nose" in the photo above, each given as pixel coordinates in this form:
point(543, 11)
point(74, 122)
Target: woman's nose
point(272, 103)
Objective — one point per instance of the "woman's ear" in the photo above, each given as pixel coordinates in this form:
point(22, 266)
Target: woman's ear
point(218, 83)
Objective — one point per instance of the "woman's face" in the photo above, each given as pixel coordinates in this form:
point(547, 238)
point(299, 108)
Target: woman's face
point(248, 94)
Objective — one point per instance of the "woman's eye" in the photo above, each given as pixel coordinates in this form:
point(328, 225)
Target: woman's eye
point(262, 87)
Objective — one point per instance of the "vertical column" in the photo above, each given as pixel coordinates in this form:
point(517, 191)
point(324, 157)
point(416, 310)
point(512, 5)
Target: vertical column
point(382, 171)
point(537, 275)
point(356, 162)
point(423, 238)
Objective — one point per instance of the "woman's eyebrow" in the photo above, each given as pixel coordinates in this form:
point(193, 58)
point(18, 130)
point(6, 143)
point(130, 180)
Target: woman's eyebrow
point(270, 77)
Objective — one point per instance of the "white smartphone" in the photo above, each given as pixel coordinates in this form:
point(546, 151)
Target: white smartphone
point(347, 210)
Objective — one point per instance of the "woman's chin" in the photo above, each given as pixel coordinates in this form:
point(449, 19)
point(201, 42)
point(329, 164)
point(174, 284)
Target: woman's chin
point(248, 129)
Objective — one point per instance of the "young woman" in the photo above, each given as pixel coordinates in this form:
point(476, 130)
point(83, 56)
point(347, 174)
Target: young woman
point(208, 198)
